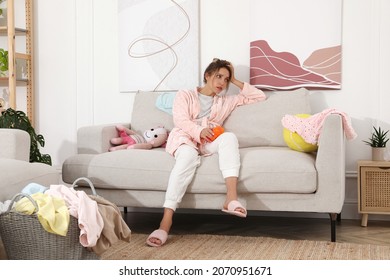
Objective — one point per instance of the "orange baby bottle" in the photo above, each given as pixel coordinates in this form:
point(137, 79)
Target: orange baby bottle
point(218, 130)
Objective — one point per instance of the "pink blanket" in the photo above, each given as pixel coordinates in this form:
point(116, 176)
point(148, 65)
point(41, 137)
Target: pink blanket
point(310, 128)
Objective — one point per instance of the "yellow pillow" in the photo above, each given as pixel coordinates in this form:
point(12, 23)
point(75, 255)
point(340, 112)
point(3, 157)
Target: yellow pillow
point(296, 142)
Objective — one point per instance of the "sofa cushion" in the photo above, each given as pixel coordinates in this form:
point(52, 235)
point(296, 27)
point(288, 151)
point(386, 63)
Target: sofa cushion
point(136, 169)
point(263, 170)
point(255, 125)
point(16, 174)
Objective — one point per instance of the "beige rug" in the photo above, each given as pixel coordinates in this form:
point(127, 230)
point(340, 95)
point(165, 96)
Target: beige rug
point(219, 247)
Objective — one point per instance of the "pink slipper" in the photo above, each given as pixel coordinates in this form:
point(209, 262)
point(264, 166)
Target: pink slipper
point(160, 234)
point(232, 206)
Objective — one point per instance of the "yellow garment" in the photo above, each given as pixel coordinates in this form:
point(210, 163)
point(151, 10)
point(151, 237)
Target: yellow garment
point(53, 214)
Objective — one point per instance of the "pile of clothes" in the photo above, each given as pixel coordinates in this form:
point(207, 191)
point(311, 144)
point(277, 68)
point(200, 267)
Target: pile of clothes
point(100, 221)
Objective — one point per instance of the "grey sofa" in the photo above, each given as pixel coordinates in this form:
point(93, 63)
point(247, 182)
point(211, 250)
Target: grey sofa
point(16, 170)
point(273, 177)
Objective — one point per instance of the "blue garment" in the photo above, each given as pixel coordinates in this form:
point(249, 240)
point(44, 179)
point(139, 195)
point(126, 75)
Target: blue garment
point(164, 102)
point(34, 188)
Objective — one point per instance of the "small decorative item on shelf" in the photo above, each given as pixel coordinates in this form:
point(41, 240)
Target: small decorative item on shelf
point(3, 14)
point(21, 69)
point(2, 105)
point(378, 141)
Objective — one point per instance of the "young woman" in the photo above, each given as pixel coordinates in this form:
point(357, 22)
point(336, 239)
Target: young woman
point(195, 113)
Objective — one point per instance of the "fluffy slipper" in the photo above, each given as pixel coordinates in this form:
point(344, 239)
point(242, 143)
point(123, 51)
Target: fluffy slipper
point(232, 209)
point(160, 234)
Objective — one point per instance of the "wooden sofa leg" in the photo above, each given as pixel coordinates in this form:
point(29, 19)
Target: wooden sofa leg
point(333, 218)
point(125, 210)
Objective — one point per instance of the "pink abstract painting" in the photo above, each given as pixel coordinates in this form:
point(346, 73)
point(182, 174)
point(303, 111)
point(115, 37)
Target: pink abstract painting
point(299, 46)
point(283, 70)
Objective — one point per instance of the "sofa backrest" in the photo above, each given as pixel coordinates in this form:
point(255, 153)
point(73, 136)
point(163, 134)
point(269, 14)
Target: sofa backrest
point(259, 124)
point(256, 124)
point(146, 115)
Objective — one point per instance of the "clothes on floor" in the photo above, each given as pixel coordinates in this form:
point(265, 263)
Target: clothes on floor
point(34, 188)
point(52, 212)
point(100, 221)
point(84, 209)
point(114, 229)
point(4, 206)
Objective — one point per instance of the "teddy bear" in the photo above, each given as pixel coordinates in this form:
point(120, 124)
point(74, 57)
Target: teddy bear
point(128, 139)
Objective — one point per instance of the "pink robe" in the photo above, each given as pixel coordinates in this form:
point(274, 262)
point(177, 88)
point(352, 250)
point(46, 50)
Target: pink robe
point(186, 108)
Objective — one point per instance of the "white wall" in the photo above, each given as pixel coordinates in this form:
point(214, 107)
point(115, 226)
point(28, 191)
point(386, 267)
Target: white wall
point(77, 68)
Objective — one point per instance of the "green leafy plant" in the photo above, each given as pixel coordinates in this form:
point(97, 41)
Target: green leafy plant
point(1, 10)
point(3, 61)
point(378, 138)
point(19, 120)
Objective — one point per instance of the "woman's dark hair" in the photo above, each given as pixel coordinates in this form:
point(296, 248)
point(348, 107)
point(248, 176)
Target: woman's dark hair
point(215, 66)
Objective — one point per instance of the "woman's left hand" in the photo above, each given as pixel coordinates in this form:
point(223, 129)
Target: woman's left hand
point(233, 79)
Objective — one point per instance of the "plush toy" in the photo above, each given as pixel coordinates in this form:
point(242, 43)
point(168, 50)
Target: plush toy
point(128, 139)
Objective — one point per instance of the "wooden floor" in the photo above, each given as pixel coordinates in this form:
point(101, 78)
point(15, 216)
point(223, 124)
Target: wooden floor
point(377, 232)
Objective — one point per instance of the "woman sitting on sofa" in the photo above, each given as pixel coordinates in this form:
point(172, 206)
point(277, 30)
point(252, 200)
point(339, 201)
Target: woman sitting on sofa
point(195, 114)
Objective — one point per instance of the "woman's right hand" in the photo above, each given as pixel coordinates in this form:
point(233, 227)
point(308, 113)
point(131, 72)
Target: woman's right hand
point(206, 134)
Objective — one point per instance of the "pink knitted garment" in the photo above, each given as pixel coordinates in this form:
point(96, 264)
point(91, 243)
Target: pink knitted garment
point(310, 128)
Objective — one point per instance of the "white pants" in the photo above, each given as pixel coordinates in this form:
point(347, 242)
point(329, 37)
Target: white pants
point(188, 159)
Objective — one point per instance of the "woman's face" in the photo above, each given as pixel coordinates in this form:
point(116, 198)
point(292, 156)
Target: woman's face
point(218, 81)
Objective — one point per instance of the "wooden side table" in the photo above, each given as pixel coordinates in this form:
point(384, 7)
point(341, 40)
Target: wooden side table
point(373, 188)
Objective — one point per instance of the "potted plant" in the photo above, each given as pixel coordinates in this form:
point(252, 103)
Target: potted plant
point(3, 62)
point(19, 120)
point(378, 141)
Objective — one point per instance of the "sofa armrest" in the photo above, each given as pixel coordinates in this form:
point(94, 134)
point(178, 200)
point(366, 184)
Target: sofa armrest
point(14, 144)
point(330, 162)
point(95, 139)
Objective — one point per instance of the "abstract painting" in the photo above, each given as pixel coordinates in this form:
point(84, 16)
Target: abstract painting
point(295, 44)
point(158, 45)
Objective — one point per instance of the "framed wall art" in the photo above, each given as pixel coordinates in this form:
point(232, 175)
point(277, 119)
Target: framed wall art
point(295, 44)
point(158, 45)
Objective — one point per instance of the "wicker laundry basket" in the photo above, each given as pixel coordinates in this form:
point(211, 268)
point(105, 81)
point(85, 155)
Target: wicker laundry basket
point(24, 238)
